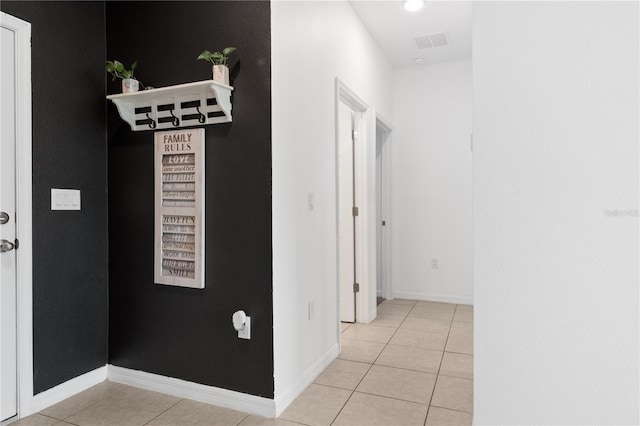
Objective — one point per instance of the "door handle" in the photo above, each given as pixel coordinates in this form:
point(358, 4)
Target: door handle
point(6, 246)
point(4, 218)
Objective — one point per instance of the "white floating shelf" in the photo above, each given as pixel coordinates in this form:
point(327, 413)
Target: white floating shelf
point(172, 107)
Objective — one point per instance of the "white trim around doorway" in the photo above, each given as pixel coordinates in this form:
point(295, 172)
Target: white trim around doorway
point(366, 298)
point(24, 276)
point(387, 213)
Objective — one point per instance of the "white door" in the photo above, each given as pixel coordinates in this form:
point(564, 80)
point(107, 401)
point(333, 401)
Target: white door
point(8, 313)
point(348, 200)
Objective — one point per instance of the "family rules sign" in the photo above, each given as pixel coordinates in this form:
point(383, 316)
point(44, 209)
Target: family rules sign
point(179, 208)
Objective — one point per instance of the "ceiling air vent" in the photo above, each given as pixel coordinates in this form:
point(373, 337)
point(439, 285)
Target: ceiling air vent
point(432, 40)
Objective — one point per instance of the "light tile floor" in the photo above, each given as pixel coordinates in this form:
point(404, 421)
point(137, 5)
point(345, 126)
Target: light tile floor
point(413, 365)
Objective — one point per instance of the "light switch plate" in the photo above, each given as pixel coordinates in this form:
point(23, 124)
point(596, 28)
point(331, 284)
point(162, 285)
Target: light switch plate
point(65, 199)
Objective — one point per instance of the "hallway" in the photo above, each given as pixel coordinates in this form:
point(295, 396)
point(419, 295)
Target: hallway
point(413, 364)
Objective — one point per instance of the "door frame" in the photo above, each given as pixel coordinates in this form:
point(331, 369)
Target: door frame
point(365, 183)
point(24, 255)
point(387, 282)
point(348, 176)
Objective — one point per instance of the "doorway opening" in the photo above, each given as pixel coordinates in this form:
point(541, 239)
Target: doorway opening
point(356, 214)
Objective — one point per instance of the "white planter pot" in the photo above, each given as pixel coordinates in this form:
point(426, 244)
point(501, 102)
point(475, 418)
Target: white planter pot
point(221, 74)
point(130, 85)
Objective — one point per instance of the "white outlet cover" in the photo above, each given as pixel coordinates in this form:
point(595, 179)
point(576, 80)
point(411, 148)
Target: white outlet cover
point(245, 333)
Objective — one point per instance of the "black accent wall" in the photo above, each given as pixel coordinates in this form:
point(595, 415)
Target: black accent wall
point(181, 332)
point(70, 275)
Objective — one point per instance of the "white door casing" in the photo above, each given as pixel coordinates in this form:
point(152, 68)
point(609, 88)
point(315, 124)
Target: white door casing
point(379, 215)
point(8, 312)
point(348, 197)
point(20, 102)
point(383, 203)
point(365, 197)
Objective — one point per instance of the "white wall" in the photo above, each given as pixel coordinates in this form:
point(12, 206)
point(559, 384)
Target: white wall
point(431, 170)
point(312, 44)
point(556, 148)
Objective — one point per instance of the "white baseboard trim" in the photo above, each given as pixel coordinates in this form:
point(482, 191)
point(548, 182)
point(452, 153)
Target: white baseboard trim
point(184, 389)
point(196, 391)
point(446, 298)
point(285, 398)
point(66, 390)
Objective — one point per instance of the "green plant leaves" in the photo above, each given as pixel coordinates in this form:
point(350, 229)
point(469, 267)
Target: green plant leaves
point(228, 50)
point(117, 69)
point(206, 55)
point(111, 69)
point(217, 58)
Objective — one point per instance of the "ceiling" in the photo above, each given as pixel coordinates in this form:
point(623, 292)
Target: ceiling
point(396, 29)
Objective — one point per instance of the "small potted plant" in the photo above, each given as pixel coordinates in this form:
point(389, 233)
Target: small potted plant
point(117, 70)
point(219, 61)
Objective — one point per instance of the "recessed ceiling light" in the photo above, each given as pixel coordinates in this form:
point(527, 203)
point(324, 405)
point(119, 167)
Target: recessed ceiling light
point(418, 60)
point(413, 5)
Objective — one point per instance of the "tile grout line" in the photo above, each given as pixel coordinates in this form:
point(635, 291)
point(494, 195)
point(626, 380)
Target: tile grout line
point(291, 421)
point(392, 335)
point(82, 409)
point(169, 408)
point(440, 366)
point(393, 398)
point(352, 391)
point(345, 404)
point(49, 417)
point(370, 366)
point(243, 419)
point(453, 409)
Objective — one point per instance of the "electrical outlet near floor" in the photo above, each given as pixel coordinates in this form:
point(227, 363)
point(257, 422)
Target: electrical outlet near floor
point(434, 263)
point(245, 332)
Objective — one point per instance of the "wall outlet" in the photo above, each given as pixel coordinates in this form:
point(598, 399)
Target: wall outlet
point(434, 263)
point(311, 309)
point(245, 333)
